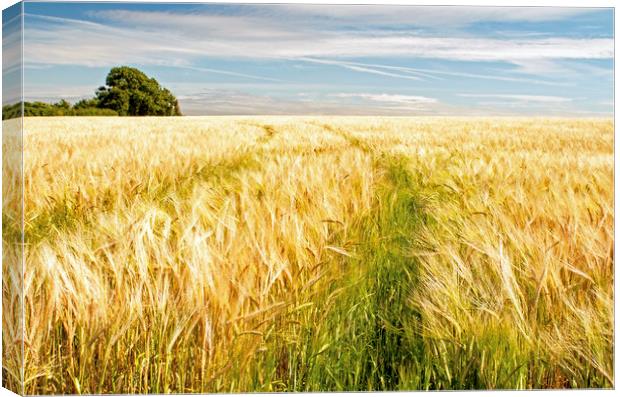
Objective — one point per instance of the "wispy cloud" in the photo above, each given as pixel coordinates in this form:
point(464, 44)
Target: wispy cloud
point(11, 60)
point(222, 101)
point(389, 98)
point(426, 16)
point(147, 40)
point(229, 73)
point(11, 46)
point(359, 67)
point(53, 93)
point(348, 59)
point(522, 98)
point(420, 73)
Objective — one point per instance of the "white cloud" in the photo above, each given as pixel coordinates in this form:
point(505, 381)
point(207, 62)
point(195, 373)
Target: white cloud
point(222, 101)
point(11, 60)
point(216, 25)
point(11, 48)
point(522, 98)
point(423, 73)
point(396, 104)
point(390, 98)
point(53, 93)
point(229, 73)
point(565, 68)
point(143, 38)
point(328, 35)
point(428, 16)
point(363, 69)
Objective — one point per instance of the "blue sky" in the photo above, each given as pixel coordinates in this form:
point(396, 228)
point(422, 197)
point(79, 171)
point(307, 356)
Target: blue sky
point(305, 59)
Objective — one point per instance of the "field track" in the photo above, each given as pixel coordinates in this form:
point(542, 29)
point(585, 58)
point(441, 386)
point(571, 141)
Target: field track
point(213, 254)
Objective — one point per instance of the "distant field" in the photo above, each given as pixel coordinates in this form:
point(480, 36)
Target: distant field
point(327, 253)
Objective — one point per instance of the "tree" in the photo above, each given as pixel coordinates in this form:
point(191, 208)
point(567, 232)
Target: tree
point(85, 107)
point(63, 104)
point(130, 92)
point(86, 103)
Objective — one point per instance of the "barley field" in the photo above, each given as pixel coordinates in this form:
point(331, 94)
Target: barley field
point(227, 254)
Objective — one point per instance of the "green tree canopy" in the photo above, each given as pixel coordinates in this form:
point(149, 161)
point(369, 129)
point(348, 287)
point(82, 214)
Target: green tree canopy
point(130, 92)
point(62, 108)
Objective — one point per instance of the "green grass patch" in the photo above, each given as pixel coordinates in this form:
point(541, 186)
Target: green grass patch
point(360, 332)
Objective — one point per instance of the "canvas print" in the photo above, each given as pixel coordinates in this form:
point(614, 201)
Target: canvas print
point(218, 198)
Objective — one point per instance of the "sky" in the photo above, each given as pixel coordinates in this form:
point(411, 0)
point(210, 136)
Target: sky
point(315, 59)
